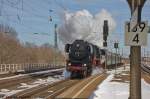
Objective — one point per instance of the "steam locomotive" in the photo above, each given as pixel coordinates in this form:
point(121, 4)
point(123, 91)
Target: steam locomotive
point(83, 57)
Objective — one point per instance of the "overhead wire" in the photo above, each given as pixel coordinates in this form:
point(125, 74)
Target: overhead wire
point(27, 26)
point(13, 2)
point(18, 17)
point(33, 10)
point(7, 16)
point(43, 2)
point(27, 12)
point(1, 7)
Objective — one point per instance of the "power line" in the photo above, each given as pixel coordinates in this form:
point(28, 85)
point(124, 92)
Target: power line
point(1, 7)
point(27, 26)
point(60, 5)
point(13, 2)
point(36, 15)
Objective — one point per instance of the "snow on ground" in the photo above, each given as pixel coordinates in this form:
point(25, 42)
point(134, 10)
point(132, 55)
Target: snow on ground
point(24, 86)
point(66, 74)
point(145, 90)
point(111, 90)
point(9, 93)
point(117, 90)
point(119, 70)
point(97, 70)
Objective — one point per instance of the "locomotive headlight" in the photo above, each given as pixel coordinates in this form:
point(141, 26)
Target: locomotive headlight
point(84, 64)
point(69, 64)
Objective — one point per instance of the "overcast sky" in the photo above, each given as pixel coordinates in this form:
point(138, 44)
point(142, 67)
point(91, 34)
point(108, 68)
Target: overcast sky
point(32, 16)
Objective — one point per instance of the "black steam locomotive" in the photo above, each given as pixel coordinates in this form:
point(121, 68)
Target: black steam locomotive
point(82, 57)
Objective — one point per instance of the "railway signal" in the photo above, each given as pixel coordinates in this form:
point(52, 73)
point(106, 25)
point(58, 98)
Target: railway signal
point(55, 45)
point(135, 52)
point(105, 32)
point(116, 47)
point(105, 35)
point(149, 30)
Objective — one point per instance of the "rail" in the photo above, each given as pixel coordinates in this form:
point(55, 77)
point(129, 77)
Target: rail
point(146, 68)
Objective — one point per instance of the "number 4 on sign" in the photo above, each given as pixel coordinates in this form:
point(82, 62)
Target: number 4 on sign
point(136, 38)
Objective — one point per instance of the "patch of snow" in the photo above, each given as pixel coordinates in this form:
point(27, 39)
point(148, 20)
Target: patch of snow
point(111, 90)
point(124, 74)
point(127, 81)
point(119, 70)
point(145, 90)
point(50, 79)
point(117, 90)
point(66, 74)
point(39, 81)
point(5, 90)
point(6, 94)
point(27, 86)
point(97, 70)
point(23, 84)
point(50, 91)
point(117, 79)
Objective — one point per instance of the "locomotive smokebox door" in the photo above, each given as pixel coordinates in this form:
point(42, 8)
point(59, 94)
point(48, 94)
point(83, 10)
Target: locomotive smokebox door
point(67, 47)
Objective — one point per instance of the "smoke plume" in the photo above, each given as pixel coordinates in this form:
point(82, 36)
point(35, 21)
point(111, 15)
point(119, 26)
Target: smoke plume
point(83, 25)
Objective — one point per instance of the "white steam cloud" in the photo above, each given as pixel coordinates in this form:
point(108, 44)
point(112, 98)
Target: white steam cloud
point(83, 25)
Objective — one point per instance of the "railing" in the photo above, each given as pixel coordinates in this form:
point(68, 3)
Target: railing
point(27, 67)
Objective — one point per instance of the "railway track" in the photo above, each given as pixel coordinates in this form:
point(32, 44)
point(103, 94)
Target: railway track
point(14, 81)
point(146, 69)
point(7, 75)
point(76, 88)
point(83, 89)
point(45, 91)
point(146, 73)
